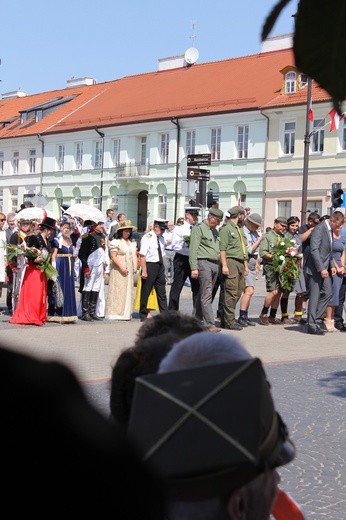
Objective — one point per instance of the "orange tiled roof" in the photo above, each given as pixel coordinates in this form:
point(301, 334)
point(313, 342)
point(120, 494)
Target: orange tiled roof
point(237, 84)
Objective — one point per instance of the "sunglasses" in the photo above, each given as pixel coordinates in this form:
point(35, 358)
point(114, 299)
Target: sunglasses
point(2, 220)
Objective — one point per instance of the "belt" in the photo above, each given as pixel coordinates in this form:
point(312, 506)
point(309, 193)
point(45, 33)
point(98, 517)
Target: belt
point(208, 260)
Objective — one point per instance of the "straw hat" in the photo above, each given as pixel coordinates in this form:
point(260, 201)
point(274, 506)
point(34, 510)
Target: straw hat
point(126, 224)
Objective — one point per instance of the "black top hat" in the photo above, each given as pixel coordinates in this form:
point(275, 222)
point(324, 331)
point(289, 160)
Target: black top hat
point(209, 430)
point(48, 223)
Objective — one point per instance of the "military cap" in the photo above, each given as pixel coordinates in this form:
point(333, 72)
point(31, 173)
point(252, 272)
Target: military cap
point(234, 212)
point(162, 223)
point(280, 220)
point(215, 212)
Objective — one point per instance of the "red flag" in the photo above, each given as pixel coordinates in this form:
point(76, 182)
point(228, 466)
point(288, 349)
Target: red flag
point(285, 508)
point(335, 119)
point(310, 113)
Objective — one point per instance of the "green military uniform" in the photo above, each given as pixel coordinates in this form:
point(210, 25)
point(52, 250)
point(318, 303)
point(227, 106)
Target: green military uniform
point(269, 241)
point(234, 243)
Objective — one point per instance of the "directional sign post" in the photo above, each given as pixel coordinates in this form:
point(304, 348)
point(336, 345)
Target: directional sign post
point(199, 159)
point(198, 174)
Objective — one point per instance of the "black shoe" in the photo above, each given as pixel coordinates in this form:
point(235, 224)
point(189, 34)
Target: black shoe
point(234, 326)
point(250, 323)
point(342, 328)
point(242, 321)
point(317, 332)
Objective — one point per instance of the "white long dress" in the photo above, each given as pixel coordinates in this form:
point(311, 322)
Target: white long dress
point(120, 297)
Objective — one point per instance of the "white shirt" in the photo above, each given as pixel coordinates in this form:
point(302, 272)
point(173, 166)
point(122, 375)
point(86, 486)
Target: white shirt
point(149, 247)
point(178, 241)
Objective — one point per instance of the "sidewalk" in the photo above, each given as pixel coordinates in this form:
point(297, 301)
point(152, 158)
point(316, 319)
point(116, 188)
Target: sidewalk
point(91, 349)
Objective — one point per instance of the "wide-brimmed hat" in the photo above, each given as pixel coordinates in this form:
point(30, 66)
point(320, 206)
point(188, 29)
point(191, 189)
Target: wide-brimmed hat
point(209, 430)
point(48, 223)
point(255, 218)
point(126, 224)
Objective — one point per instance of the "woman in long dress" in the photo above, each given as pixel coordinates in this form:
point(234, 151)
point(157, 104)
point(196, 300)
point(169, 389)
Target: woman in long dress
point(119, 305)
point(63, 260)
point(32, 304)
point(3, 257)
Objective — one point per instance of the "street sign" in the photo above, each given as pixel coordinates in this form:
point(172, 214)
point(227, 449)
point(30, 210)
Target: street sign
point(198, 174)
point(199, 159)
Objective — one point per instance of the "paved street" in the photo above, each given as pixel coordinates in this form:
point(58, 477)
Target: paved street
point(307, 373)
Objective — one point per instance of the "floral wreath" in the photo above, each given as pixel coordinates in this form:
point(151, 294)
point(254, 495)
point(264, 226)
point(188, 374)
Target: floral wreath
point(287, 262)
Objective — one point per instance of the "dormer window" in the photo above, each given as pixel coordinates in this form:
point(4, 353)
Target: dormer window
point(290, 82)
point(23, 117)
point(303, 80)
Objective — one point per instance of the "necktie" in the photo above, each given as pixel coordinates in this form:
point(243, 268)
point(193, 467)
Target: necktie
point(159, 251)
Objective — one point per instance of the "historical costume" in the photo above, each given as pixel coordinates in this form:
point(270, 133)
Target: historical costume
point(63, 260)
point(92, 255)
point(119, 305)
point(32, 305)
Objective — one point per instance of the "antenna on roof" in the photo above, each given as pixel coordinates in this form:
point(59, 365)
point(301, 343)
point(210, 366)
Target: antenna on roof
point(192, 54)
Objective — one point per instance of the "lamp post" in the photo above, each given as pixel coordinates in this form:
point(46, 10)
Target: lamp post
point(307, 136)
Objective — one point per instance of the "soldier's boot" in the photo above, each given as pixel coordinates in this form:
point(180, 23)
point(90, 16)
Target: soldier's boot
point(93, 302)
point(86, 306)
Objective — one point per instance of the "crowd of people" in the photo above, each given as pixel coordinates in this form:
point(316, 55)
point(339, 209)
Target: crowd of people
point(222, 254)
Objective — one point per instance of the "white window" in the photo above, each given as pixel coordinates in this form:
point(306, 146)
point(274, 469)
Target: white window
point(23, 117)
point(116, 152)
point(314, 205)
point(303, 80)
point(77, 200)
point(163, 206)
point(14, 197)
point(290, 82)
point(97, 202)
point(79, 156)
point(190, 142)
point(317, 144)
point(98, 154)
point(343, 137)
point(1, 163)
point(164, 148)
point(289, 138)
point(39, 115)
point(284, 208)
point(215, 143)
point(61, 157)
point(32, 161)
point(243, 142)
point(143, 150)
point(15, 162)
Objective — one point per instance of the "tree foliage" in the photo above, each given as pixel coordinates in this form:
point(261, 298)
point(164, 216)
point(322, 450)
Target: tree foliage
point(319, 43)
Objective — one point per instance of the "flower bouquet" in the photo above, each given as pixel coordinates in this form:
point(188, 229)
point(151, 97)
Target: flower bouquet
point(287, 262)
point(31, 253)
point(187, 240)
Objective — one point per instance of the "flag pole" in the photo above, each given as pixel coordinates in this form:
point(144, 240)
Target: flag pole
point(307, 136)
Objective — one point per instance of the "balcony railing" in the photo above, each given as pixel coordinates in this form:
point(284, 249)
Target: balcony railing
point(132, 170)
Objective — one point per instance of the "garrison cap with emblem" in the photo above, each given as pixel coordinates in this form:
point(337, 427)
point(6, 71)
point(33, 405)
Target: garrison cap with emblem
point(280, 220)
point(216, 212)
point(162, 223)
point(235, 211)
point(209, 430)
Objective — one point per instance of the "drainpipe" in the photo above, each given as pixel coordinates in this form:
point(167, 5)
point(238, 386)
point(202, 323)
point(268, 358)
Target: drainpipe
point(102, 135)
point(265, 167)
point(175, 121)
point(41, 173)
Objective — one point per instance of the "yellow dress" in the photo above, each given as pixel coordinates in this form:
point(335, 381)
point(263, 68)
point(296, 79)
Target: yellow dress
point(152, 304)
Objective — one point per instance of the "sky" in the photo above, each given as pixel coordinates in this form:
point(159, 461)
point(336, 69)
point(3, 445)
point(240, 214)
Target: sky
point(43, 44)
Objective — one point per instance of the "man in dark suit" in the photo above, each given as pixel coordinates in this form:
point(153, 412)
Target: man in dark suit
point(317, 268)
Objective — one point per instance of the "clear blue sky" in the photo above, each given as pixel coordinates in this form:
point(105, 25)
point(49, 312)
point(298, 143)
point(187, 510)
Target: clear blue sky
point(44, 44)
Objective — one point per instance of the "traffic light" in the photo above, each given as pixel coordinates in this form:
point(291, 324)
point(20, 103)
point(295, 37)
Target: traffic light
point(337, 195)
point(212, 198)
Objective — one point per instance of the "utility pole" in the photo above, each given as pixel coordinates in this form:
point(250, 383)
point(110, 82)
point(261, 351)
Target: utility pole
point(307, 136)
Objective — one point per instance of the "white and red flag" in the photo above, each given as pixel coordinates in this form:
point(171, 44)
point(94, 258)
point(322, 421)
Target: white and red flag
point(310, 112)
point(285, 508)
point(334, 119)
point(239, 199)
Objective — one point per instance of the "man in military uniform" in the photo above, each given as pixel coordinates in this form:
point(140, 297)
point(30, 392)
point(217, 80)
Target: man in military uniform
point(204, 258)
point(234, 262)
point(182, 269)
point(152, 254)
point(273, 287)
point(92, 254)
